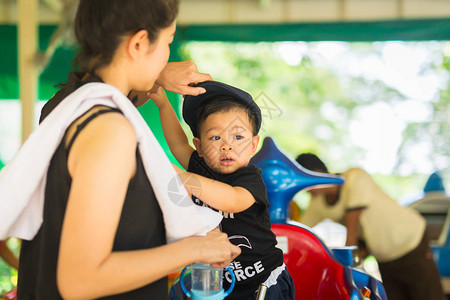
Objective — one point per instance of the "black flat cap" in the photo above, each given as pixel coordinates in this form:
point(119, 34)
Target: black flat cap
point(214, 89)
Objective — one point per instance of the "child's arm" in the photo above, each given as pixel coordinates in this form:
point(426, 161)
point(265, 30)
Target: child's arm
point(219, 195)
point(174, 134)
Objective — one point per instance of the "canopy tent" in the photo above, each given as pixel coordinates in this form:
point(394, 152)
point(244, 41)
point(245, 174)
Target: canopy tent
point(60, 64)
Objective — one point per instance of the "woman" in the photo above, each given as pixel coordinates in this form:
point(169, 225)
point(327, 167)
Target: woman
point(103, 233)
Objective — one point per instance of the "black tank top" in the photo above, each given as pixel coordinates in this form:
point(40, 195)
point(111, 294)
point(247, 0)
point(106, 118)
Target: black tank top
point(141, 226)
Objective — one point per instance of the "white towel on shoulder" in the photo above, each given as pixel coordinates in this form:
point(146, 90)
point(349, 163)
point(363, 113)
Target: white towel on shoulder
point(23, 179)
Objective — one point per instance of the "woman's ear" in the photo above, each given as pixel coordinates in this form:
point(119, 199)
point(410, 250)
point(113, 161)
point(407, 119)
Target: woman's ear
point(198, 146)
point(138, 43)
point(255, 143)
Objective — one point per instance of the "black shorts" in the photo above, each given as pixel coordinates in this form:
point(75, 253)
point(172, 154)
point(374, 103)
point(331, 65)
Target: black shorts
point(282, 290)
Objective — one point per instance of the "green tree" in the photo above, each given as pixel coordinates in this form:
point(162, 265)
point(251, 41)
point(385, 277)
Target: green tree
point(314, 104)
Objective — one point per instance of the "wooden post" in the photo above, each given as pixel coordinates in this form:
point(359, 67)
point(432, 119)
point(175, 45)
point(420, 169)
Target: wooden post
point(400, 9)
point(28, 75)
point(343, 10)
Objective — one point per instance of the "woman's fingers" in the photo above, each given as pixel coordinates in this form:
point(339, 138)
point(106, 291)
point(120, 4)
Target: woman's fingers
point(180, 78)
point(235, 251)
point(192, 91)
point(218, 250)
point(196, 77)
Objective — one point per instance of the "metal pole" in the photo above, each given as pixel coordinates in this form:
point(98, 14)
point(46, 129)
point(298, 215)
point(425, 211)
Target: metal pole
point(261, 292)
point(28, 74)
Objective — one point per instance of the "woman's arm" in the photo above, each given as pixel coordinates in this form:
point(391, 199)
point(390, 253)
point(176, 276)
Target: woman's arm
point(174, 134)
point(219, 195)
point(179, 77)
point(101, 163)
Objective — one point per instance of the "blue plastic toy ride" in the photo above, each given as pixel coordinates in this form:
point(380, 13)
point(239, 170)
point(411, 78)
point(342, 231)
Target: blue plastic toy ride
point(318, 272)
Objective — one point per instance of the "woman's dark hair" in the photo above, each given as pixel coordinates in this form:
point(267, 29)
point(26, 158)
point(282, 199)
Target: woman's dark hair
point(225, 104)
point(100, 26)
point(311, 162)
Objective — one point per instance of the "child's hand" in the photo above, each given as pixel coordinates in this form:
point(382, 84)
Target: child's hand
point(158, 95)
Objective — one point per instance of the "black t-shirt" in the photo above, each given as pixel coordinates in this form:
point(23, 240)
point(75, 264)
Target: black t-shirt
point(249, 229)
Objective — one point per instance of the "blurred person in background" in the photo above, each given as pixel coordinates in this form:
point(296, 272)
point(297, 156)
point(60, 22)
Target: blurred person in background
point(395, 235)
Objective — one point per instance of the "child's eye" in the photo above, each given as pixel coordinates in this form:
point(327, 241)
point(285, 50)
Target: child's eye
point(215, 138)
point(238, 137)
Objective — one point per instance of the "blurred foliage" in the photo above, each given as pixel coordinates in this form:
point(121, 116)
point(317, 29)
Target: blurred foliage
point(8, 275)
point(309, 105)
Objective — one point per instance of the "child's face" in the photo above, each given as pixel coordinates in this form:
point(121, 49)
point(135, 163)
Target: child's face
point(226, 141)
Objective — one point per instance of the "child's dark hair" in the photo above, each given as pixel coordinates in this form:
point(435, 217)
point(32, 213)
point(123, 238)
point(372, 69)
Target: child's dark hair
point(224, 104)
point(100, 26)
point(311, 162)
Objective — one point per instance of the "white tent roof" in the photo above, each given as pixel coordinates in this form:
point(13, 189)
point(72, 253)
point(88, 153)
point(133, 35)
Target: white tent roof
point(268, 11)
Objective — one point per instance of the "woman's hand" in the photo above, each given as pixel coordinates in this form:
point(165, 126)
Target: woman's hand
point(180, 78)
point(216, 249)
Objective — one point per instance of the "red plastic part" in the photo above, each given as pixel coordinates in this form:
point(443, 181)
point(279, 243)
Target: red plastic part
point(315, 273)
point(11, 295)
